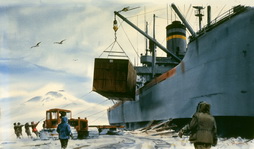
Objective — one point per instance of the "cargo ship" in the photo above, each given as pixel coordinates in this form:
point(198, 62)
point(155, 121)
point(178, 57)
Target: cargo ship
point(216, 66)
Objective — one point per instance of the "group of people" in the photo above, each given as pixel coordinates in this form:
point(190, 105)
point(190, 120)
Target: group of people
point(63, 130)
point(18, 129)
point(202, 128)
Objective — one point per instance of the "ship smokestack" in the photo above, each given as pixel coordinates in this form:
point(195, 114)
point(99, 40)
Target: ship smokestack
point(176, 38)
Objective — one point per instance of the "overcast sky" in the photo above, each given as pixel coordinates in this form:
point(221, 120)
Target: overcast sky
point(86, 26)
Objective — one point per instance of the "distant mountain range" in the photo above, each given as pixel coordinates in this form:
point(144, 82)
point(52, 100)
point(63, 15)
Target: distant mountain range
point(55, 98)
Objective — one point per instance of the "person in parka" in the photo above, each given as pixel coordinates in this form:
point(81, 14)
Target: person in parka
point(19, 129)
point(64, 132)
point(34, 129)
point(27, 129)
point(16, 130)
point(202, 128)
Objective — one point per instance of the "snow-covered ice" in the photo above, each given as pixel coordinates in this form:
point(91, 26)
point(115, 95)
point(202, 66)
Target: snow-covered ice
point(127, 140)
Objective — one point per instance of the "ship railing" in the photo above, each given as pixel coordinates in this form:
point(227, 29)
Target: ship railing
point(222, 18)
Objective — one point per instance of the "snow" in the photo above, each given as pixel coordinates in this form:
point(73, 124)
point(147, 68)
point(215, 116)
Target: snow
point(127, 140)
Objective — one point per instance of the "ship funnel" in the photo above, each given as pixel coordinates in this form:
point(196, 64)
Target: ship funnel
point(176, 38)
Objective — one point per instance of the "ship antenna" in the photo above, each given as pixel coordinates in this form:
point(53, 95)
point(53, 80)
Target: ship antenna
point(199, 14)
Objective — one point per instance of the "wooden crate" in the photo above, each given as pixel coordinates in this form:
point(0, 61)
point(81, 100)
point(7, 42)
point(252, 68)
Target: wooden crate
point(114, 78)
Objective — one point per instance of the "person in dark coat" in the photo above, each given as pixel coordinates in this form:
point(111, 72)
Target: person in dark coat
point(27, 129)
point(62, 114)
point(19, 129)
point(64, 132)
point(16, 130)
point(202, 128)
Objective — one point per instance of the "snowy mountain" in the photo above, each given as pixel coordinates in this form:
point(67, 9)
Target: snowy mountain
point(61, 99)
point(54, 98)
point(34, 109)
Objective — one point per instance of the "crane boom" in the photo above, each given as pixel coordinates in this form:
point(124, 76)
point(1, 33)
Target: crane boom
point(147, 36)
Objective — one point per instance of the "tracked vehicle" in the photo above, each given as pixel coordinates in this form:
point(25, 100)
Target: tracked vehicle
point(79, 127)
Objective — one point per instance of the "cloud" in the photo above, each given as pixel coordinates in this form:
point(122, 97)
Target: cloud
point(21, 78)
point(81, 25)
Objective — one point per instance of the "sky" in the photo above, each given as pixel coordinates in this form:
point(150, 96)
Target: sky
point(86, 26)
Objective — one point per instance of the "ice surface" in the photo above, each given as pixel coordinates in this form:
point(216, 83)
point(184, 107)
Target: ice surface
point(127, 140)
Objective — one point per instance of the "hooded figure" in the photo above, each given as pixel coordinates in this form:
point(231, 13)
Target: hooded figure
point(64, 132)
point(28, 132)
point(34, 129)
point(202, 128)
point(16, 130)
point(19, 129)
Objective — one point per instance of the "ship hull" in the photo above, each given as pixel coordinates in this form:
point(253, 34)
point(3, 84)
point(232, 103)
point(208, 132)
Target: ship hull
point(218, 68)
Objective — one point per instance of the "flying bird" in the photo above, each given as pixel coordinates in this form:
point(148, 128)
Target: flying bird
point(37, 45)
point(61, 42)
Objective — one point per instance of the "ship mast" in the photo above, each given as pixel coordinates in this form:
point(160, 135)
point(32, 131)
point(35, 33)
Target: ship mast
point(153, 49)
point(199, 14)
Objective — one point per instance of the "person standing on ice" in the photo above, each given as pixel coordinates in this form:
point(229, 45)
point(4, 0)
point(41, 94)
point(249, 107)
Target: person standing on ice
point(16, 130)
point(27, 129)
point(34, 129)
point(202, 128)
point(19, 129)
point(64, 132)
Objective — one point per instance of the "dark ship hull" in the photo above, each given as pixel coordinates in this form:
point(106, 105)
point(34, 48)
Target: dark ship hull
point(218, 68)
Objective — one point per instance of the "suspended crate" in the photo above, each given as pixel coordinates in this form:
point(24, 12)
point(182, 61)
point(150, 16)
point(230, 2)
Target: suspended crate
point(114, 78)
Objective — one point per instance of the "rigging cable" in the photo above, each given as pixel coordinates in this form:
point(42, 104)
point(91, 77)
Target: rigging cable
point(115, 27)
point(220, 11)
point(148, 12)
point(90, 108)
point(188, 11)
point(129, 40)
point(98, 118)
point(96, 113)
point(86, 94)
point(108, 47)
point(131, 43)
